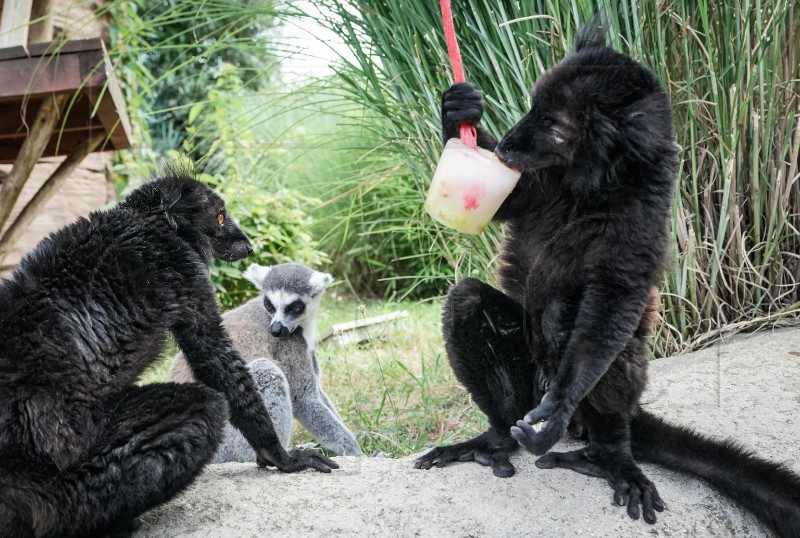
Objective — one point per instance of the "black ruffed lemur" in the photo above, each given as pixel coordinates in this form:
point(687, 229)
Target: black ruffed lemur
point(586, 242)
point(83, 449)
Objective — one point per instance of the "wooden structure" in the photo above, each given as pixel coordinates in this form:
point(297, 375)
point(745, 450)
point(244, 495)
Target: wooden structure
point(79, 70)
point(352, 332)
point(57, 98)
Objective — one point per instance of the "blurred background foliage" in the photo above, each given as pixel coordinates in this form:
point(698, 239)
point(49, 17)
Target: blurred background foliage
point(182, 47)
point(332, 169)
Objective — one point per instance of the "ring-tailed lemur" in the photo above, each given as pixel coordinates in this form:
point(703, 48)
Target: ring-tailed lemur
point(276, 335)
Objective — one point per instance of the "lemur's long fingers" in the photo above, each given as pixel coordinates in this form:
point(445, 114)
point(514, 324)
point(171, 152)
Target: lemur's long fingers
point(325, 460)
point(318, 465)
point(427, 460)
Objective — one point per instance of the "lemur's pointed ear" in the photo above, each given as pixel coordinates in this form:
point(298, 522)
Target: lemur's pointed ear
point(319, 281)
point(256, 274)
point(170, 199)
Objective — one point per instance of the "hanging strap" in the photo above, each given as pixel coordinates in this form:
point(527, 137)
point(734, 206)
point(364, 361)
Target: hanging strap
point(468, 135)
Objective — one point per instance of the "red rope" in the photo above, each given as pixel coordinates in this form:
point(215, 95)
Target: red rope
point(468, 134)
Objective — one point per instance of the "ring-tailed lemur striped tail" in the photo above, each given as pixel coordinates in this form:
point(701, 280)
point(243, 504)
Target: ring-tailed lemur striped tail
point(276, 335)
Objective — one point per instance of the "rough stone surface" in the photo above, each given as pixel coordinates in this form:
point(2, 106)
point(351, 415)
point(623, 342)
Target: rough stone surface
point(747, 388)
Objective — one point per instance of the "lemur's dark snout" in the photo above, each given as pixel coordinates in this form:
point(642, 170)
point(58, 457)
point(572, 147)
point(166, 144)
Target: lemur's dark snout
point(504, 156)
point(501, 153)
point(278, 329)
point(248, 248)
point(237, 250)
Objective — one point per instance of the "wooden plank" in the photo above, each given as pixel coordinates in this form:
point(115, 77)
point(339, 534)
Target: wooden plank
point(355, 331)
point(18, 51)
point(12, 118)
point(111, 107)
point(14, 23)
point(115, 122)
point(41, 31)
point(45, 49)
point(30, 77)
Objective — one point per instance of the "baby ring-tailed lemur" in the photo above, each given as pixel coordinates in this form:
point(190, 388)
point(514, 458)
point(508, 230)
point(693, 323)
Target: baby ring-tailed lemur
point(276, 335)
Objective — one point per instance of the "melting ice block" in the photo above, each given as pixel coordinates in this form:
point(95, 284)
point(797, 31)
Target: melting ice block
point(468, 187)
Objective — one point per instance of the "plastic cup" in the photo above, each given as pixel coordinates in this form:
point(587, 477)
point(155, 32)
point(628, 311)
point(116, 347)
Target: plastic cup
point(468, 187)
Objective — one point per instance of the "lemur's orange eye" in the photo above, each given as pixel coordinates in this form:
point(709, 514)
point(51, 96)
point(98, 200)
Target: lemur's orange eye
point(220, 219)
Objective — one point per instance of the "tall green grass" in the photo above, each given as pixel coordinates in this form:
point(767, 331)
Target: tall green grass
point(732, 71)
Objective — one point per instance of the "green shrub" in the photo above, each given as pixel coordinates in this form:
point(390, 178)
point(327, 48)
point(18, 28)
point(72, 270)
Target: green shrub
point(275, 219)
point(278, 226)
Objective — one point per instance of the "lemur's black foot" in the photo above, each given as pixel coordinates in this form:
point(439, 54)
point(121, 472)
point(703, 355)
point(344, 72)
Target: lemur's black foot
point(489, 448)
point(631, 487)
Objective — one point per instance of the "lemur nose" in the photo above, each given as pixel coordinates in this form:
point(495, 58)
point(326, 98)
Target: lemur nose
point(502, 154)
point(278, 329)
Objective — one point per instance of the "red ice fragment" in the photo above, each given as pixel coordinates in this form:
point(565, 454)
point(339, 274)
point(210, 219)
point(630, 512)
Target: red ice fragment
point(472, 197)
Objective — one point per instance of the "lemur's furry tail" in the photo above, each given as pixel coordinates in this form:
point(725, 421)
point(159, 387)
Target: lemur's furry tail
point(769, 490)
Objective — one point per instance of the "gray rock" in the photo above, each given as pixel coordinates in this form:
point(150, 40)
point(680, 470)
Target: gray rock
point(747, 388)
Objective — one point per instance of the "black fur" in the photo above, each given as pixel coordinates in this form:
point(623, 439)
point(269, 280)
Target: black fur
point(587, 237)
point(82, 449)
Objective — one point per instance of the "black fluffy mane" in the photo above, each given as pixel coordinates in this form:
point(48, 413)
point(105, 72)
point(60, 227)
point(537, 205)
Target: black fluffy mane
point(592, 34)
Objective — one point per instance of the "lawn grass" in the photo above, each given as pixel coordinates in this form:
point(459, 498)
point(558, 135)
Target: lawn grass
point(395, 390)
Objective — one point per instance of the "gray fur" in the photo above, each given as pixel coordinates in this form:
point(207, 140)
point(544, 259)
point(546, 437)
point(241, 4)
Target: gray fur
point(293, 356)
point(275, 392)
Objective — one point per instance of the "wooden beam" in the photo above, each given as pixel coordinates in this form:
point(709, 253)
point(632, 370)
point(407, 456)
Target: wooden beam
point(356, 331)
point(41, 31)
point(46, 49)
point(45, 75)
point(14, 23)
point(46, 192)
point(77, 130)
point(32, 148)
point(110, 105)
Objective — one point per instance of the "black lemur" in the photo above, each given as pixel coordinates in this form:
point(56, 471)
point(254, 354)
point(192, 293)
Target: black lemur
point(83, 449)
point(586, 241)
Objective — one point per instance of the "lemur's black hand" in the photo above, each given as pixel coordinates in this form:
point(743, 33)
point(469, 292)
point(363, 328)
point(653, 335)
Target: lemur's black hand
point(294, 460)
point(461, 103)
point(556, 413)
